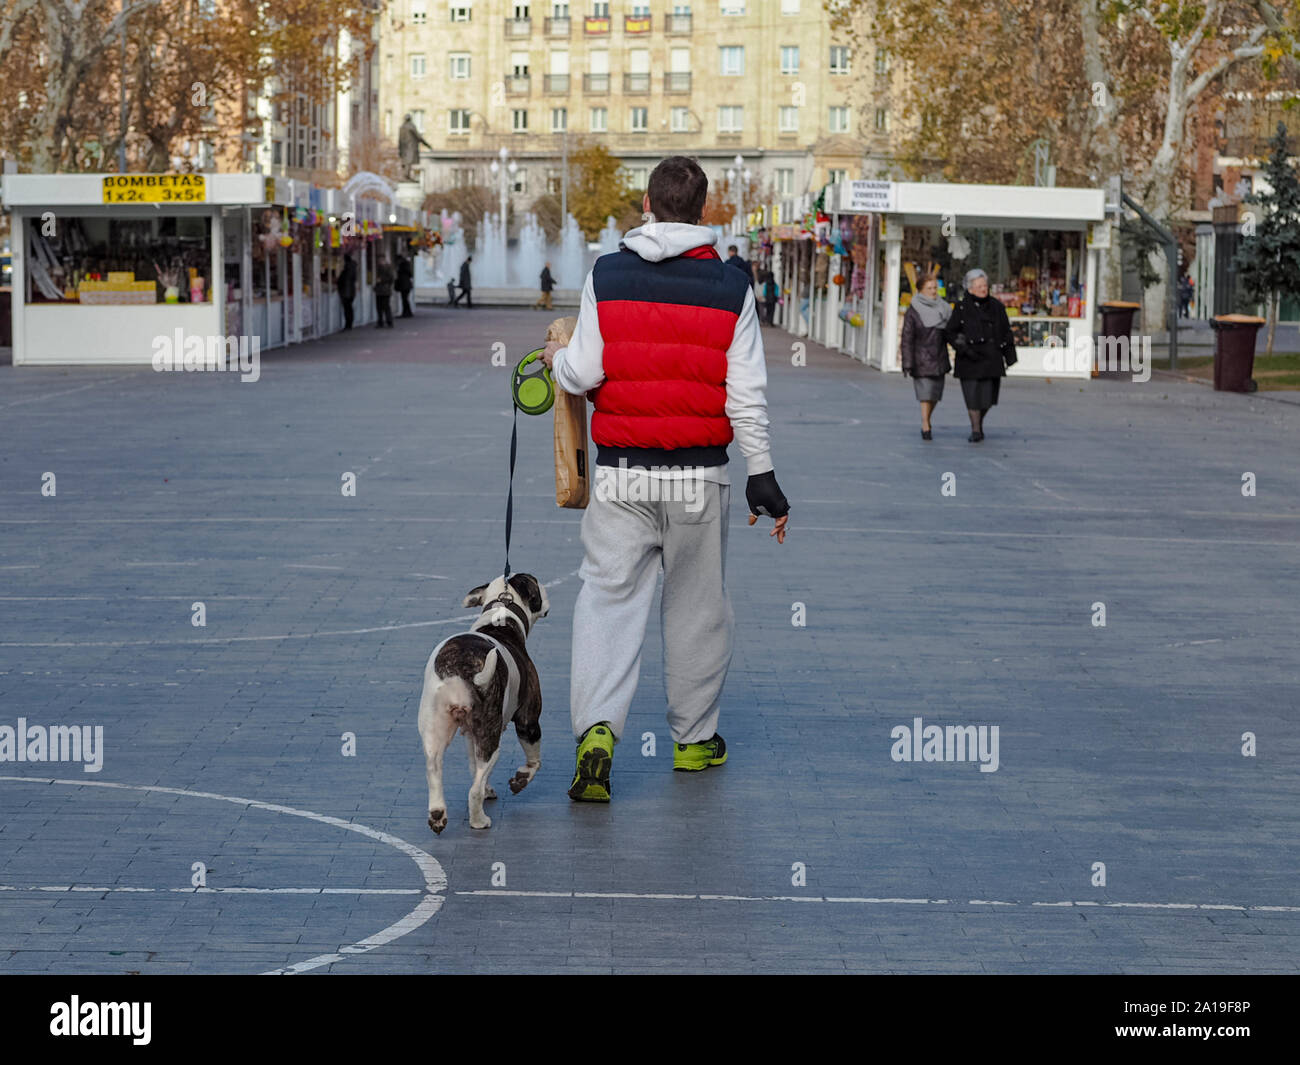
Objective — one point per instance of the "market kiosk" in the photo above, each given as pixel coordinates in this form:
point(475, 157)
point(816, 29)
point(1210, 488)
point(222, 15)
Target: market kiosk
point(1035, 243)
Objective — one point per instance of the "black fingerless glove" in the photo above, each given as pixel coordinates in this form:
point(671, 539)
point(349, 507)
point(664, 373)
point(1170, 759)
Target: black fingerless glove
point(763, 495)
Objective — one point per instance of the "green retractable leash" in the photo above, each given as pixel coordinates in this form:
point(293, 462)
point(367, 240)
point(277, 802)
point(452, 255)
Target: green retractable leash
point(533, 390)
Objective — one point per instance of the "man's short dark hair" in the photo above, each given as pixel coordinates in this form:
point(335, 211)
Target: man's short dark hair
point(677, 190)
point(732, 248)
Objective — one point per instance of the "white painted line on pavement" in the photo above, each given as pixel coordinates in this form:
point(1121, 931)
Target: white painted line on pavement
point(435, 880)
point(866, 901)
point(217, 890)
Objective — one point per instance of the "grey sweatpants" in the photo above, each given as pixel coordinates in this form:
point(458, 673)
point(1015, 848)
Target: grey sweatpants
point(625, 545)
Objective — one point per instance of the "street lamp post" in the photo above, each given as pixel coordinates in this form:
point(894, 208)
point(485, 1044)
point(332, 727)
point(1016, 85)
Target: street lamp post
point(503, 169)
point(734, 174)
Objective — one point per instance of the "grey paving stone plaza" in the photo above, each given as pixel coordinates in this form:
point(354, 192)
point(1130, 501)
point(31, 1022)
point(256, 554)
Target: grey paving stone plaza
point(812, 850)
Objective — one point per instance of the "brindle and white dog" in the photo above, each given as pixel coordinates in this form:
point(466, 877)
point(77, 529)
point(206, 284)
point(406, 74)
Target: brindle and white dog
point(478, 682)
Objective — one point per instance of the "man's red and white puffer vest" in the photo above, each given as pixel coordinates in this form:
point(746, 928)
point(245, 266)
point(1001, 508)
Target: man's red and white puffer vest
point(666, 328)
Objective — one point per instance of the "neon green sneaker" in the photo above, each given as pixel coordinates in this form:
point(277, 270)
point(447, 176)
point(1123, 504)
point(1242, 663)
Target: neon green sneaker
point(595, 756)
point(691, 757)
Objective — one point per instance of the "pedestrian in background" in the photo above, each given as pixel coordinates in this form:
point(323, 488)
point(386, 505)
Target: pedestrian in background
point(347, 286)
point(548, 283)
point(980, 333)
point(384, 295)
point(924, 349)
point(734, 259)
point(769, 296)
point(404, 284)
point(466, 284)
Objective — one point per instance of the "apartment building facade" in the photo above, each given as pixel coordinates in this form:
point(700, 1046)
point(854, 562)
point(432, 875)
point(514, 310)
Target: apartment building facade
point(761, 79)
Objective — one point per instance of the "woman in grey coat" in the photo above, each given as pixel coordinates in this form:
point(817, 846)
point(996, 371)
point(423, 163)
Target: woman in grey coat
point(924, 349)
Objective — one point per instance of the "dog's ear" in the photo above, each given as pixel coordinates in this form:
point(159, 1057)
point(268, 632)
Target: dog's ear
point(526, 585)
point(475, 596)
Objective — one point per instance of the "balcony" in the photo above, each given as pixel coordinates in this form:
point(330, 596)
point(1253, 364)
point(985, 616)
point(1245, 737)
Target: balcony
point(677, 81)
point(556, 84)
point(595, 83)
point(676, 25)
point(519, 27)
point(636, 24)
point(596, 25)
point(559, 27)
point(636, 83)
point(518, 84)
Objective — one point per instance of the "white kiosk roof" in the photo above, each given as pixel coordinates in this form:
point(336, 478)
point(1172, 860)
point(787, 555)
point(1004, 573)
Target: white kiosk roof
point(924, 202)
point(97, 190)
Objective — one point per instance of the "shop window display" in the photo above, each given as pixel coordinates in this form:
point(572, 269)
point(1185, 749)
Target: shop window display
point(1035, 274)
point(105, 260)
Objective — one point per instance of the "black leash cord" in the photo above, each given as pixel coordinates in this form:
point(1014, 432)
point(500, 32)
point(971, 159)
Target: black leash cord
point(510, 491)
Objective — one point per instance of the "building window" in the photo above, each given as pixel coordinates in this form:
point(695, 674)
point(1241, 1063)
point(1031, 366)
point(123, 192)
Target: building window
point(599, 120)
point(790, 59)
point(882, 120)
point(458, 120)
point(462, 177)
point(519, 120)
point(637, 176)
point(837, 176)
point(788, 119)
point(839, 59)
point(461, 12)
point(559, 10)
point(277, 152)
point(733, 60)
point(458, 63)
point(731, 119)
point(417, 117)
point(521, 11)
point(640, 119)
point(732, 7)
point(600, 10)
point(785, 181)
point(417, 66)
point(559, 119)
point(882, 61)
point(519, 182)
point(419, 14)
point(388, 123)
point(839, 120)
point(789, 7)
point(680, 120)
point(519, 64)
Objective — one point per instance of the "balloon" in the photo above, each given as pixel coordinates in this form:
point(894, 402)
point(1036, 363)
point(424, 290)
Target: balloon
point(838, 279)
point(856, 320)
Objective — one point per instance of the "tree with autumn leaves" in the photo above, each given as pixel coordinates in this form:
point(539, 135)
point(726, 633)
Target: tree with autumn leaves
point(1112, 86)
point(193, 71)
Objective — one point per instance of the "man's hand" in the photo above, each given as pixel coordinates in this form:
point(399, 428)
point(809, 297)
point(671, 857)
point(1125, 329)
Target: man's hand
point(764, 496)
point(548, 352)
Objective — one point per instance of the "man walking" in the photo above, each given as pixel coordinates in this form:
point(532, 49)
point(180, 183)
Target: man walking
point(668, 338)
point(404, 284)
point(384, 296)
point(466, 283)
point(347, 286)
point(734, 259)
point(548, 283)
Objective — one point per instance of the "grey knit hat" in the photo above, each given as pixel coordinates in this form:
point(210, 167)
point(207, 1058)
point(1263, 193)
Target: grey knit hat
point(971, 275)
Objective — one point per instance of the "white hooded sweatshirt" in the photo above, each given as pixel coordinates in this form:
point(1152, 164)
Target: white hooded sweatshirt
point(579, 367)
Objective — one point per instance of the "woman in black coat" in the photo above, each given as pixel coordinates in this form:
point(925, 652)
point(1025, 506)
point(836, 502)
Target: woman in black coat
point(980, 334)
point(924, 349)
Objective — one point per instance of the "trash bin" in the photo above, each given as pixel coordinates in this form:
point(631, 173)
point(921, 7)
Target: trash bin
point(1116, 322)
point(1234, 351)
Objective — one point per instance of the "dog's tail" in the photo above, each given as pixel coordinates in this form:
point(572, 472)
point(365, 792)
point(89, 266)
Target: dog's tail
point(456, 699)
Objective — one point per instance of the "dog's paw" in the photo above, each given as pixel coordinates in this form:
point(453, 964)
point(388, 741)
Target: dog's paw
point(519, 781)
point(491, 792)
point(485, 823)
point(438, 820)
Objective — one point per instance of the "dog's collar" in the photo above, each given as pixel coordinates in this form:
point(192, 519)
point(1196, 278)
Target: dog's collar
point(490, 616)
